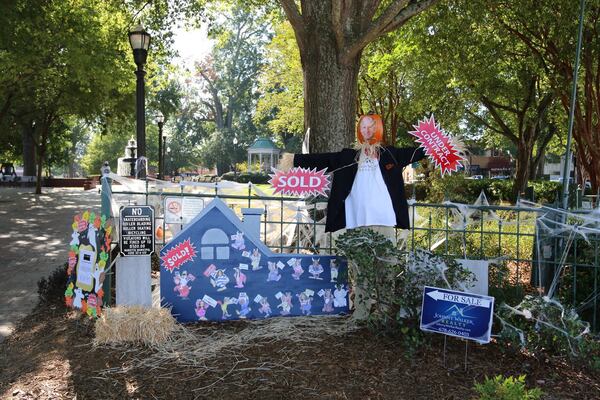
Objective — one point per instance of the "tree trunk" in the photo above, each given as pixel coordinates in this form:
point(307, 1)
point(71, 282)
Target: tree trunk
point(522, 174)
point(41, 150)
point(27, 131)
point(330, 87)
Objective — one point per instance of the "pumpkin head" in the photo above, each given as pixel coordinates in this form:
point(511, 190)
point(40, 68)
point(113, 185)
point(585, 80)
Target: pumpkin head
point(371, 127)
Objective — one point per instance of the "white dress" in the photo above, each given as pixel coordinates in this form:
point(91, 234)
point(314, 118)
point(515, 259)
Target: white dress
point(369, 202)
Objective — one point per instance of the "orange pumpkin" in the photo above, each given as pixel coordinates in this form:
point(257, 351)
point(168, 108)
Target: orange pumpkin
point(370, 125)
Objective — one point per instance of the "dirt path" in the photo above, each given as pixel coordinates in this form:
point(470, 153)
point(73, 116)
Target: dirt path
point(34, 239)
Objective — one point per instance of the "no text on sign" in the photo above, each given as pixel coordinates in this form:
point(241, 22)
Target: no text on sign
point(459, 314)
point(136, 230)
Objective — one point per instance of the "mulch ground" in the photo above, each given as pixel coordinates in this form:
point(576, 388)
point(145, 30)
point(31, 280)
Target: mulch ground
point(51, 356)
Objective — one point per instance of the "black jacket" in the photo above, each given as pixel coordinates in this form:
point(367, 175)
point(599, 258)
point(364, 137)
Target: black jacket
point(343, 165)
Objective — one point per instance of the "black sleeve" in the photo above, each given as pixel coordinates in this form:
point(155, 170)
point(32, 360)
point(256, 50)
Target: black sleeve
point(409, 155)
point(317, 160)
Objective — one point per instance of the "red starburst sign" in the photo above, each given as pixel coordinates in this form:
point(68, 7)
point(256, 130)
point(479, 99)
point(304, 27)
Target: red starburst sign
point(179, 255)
point(437, 145)
point(300, 181)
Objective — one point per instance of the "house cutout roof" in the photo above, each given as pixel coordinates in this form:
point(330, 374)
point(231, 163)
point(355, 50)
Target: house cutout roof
point(228, 214)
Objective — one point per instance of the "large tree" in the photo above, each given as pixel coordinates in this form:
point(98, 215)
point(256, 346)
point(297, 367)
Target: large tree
point(66, 59)
point(331, 36)
point(548, 28)
point(228, 77)
point(503, 86)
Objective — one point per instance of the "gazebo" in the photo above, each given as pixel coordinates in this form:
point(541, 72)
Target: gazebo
point(263, 148)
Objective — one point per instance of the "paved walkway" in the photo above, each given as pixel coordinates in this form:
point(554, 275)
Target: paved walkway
point(35, 232)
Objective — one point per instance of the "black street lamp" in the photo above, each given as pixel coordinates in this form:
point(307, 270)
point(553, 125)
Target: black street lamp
point(164, 150)
point(160, 121)
point(140, 42)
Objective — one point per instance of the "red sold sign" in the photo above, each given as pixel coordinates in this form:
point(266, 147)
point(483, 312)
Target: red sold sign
point(437, 145)
point(179, 255)
point(300, 182)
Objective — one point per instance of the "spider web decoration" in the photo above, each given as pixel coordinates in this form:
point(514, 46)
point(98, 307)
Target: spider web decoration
point(438, 145)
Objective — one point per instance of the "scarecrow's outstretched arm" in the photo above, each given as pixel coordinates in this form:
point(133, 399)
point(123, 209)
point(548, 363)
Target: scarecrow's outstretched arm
point(408, 155)
point(329, 161)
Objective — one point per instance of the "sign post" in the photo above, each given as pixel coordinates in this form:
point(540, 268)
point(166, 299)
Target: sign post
point(136, 241)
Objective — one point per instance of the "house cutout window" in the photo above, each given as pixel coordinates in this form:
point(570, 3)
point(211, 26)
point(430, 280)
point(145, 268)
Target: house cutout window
point(214, 245)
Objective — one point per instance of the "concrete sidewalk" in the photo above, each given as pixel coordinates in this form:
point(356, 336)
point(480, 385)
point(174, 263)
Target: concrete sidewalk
point(35, 232)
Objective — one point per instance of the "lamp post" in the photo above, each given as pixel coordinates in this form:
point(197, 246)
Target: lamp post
point(140, 42)
point(164, 150)
point(235, 142)
point(160, 121)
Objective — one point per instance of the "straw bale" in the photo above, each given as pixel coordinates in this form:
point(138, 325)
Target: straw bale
point(134, 325)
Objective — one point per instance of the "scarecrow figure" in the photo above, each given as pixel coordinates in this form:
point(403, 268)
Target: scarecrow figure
point(367, 187)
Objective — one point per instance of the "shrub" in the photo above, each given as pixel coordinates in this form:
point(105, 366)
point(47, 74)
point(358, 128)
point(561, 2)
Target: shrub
point(373, 263)
point(458, 188)
point(52, 289)
point(390, 285)
point(245, 177)
point(500, 388)
point(542, 324)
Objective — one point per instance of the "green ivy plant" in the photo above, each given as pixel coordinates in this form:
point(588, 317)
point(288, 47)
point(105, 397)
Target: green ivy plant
point(510, 388)
point(374, 266)
point(541, 324)
point(389, 284)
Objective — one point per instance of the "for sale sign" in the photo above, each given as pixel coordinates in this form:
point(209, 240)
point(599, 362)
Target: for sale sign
point(438, 145)
point(455, 313)
point(300, 181)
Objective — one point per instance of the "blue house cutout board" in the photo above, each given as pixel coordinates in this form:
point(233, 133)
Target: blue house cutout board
point(215, 269)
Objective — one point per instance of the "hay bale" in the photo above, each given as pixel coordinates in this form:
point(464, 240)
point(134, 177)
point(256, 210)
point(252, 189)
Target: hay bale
point(134, 325)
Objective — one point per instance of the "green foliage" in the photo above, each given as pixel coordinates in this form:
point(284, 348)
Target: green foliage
point(458, 188)
point(541, 324)
point(374, 265)
point(282, 102)
point(505, 287)
point(510, 388)
point(245, 177)
point(390, 285)
point(228, 78)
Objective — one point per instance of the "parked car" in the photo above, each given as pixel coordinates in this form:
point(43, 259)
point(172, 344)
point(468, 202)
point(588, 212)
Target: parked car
point(475, 177)
point(501, 177)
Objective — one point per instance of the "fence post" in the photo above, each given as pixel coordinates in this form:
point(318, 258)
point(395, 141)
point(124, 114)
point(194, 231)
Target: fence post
point(105, 209)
